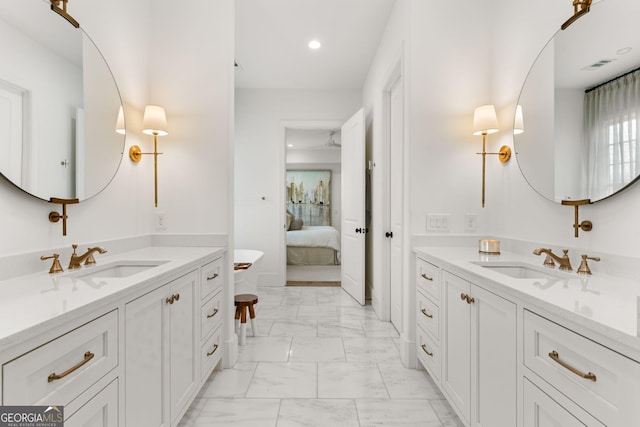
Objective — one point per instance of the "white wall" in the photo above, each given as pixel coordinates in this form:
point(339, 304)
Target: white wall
point(445, 57)
point(260, 163)
point(157, 56)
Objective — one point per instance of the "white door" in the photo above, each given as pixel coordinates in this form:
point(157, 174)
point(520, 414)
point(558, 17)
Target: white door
point(353, 206)
point(395, 187)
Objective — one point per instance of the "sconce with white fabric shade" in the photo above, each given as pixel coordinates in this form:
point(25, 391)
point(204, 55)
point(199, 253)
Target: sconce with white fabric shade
point(485, 122)
point(154, 123)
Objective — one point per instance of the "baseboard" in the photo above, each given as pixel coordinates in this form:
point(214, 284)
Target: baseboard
point(408, 355)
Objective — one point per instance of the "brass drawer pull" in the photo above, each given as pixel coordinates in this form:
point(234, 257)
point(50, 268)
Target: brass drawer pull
point(215, 347)
point(215, 275)
point(556, 358)
point(467, 298)
point(430, 316)
point(215, 311)
point(424, 276)
point(424, 347)
point(87, 356)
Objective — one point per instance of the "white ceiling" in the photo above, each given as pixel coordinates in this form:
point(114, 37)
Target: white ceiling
point(272, 39)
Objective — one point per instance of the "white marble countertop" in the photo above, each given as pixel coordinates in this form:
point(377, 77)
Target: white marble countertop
point(604, 304)
point(34, 302)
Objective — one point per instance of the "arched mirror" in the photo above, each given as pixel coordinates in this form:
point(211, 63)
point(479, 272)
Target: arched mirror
point(581, 107)
point(59, 105)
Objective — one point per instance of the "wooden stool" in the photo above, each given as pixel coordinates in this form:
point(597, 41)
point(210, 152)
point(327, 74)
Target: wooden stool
point(242, 302)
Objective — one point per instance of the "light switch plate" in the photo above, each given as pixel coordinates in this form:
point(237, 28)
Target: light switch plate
point(438, 222)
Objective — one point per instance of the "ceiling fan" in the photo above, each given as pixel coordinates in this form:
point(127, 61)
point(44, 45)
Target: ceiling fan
point(331, 143)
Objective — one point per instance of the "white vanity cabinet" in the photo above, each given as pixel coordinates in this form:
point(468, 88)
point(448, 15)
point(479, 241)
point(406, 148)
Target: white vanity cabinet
point(428, 317)
point(211, 311)
point(479, 353)
point(161, 355)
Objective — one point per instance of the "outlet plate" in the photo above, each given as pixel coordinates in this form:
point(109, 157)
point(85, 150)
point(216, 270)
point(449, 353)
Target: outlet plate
point(160, 220)
point(438, 222)
point(470, 222)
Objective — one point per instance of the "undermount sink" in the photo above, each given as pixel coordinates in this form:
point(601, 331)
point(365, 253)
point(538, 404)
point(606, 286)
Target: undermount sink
point(117, 269)
point(521, 270)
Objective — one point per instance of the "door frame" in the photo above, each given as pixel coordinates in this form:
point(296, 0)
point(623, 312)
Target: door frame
point(282, 167)
point(383, 308)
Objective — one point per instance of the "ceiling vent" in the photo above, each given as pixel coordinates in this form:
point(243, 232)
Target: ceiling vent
point(598, 64)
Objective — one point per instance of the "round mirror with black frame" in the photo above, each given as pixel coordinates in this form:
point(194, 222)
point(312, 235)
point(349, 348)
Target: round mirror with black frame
point(581, 105)
point(59, 105)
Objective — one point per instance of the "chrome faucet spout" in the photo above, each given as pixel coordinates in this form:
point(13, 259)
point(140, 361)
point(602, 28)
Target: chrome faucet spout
point(87, 257)
point(563, 261)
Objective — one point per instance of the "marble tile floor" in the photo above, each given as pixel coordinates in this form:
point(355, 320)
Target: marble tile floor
point(319, 359)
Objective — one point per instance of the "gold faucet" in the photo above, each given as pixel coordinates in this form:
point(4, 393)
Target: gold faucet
point(563, 261)
point(87, 257)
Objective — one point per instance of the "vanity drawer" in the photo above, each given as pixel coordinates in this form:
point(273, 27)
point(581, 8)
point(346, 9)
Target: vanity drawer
point(58, 371)
point(211, 277)
point(100, 411)
point(428, 278)
point(428, 316)
point(211, 315)
point(429, 354)
point(564, 358)
point(540, 410)
point(210, 354)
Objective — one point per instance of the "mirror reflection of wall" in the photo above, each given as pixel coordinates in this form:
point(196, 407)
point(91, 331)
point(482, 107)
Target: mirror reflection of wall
point(58, 106)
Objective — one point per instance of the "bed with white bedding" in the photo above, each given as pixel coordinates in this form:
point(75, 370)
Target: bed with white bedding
point(313, 245)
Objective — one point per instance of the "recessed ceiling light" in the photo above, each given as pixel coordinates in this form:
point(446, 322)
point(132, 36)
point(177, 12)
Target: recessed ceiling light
point(314, 44)
point(289, 145)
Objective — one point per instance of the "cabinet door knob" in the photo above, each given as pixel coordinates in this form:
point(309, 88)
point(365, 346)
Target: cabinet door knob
point(556, 358)
point(430, 316)
point(215, 275)
point(424, 276)
point(170, 300)
point(215, 311)
point(177, 296)
point(467, 298)
point(424, 347)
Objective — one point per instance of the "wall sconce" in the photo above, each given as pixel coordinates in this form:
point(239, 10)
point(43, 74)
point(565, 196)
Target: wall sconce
point(154, 123)
point(485, 122)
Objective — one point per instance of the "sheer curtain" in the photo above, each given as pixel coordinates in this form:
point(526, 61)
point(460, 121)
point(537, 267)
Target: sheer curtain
point(611, 113)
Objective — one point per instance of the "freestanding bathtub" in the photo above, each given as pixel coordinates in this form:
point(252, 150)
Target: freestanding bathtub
point(246, 281)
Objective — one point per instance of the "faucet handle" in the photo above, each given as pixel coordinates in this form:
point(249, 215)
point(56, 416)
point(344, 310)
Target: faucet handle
point(55, 266)
point(584, 266)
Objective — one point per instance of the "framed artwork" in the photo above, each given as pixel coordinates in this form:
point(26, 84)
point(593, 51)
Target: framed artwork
point(309, 196)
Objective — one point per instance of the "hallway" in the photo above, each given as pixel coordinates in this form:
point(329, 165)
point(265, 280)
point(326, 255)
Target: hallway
point(319, 359)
